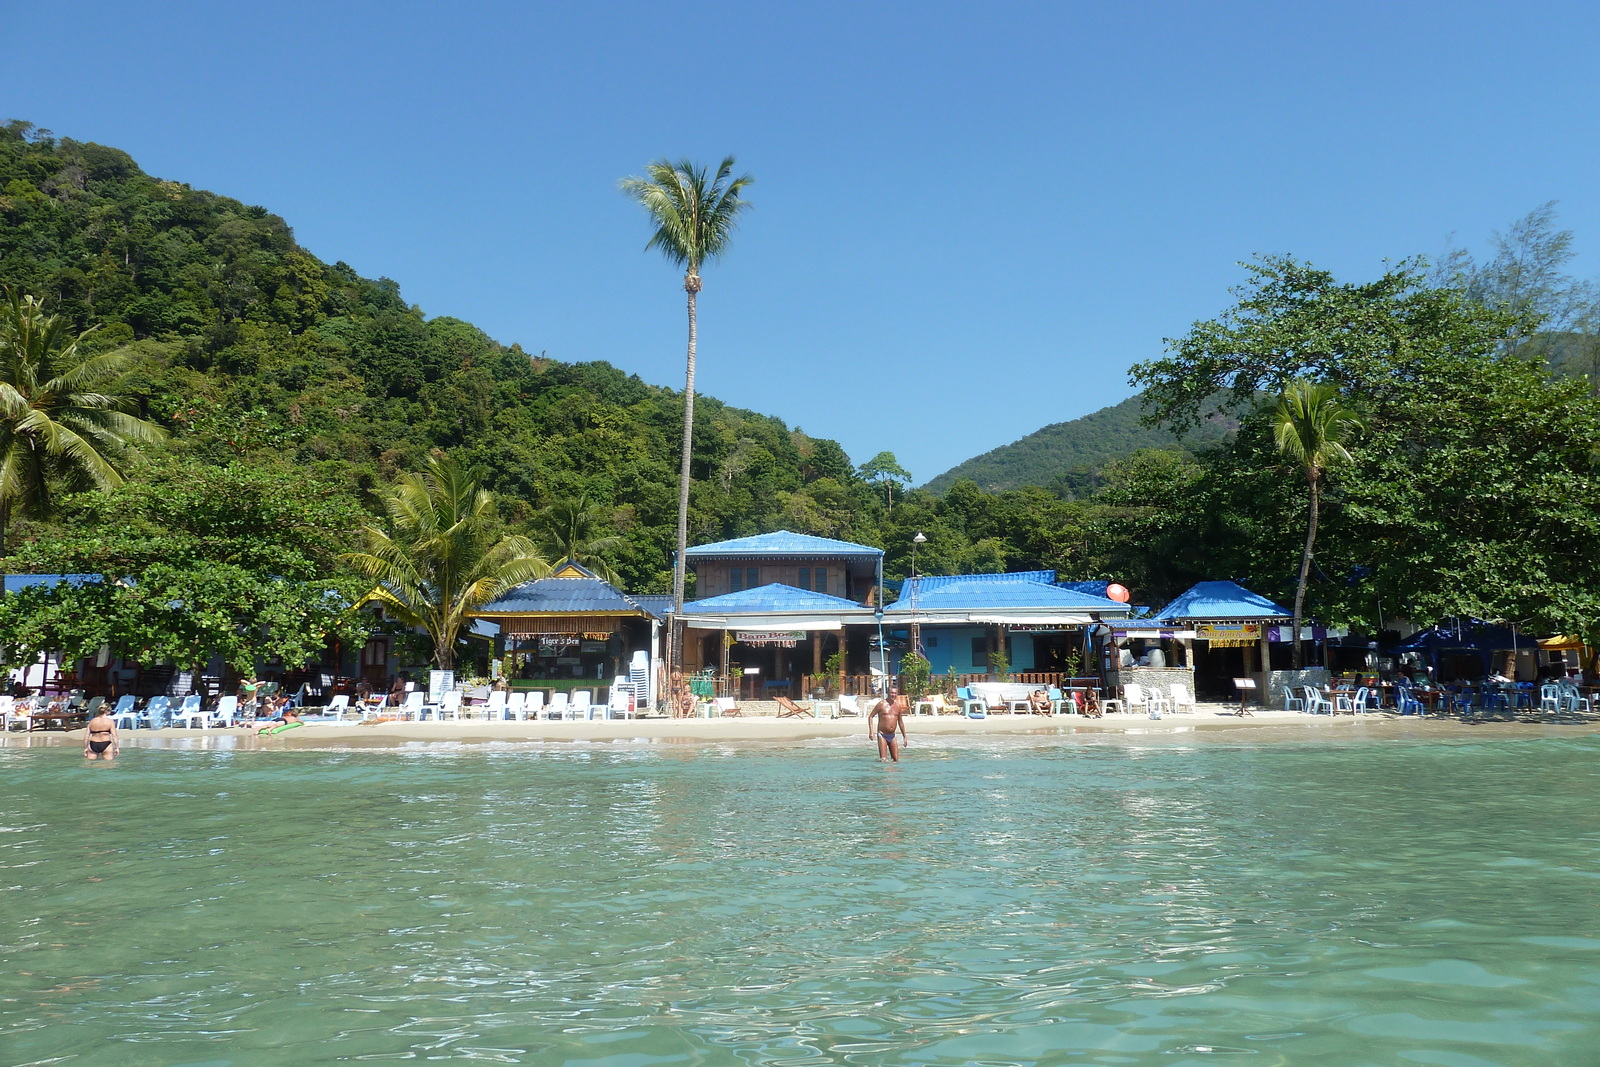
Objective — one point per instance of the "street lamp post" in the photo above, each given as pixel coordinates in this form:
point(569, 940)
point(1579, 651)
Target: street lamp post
point(916, 624)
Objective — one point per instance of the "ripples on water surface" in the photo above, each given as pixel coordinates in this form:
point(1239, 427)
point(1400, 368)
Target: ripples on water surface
point(984, 903)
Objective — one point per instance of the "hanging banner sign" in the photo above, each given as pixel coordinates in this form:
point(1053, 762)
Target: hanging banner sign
point(769, 638)
point(1234, 635)
point(557, 642)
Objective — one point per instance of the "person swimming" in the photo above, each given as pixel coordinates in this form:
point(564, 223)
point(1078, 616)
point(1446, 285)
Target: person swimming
point(100, 738)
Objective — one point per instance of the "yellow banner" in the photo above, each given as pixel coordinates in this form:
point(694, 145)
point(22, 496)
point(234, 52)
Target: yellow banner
point(1236, 635)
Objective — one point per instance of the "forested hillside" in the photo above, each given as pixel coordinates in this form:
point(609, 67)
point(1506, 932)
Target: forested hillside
point(255, 352)
point(1069, 456)
point(294, 391)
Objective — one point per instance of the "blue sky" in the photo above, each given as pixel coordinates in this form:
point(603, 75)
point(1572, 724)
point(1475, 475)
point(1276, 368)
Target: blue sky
point(970, 218)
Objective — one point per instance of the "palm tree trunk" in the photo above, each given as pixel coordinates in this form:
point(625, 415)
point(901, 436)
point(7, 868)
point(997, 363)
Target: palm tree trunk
point(691, 285)
point(1305, 575)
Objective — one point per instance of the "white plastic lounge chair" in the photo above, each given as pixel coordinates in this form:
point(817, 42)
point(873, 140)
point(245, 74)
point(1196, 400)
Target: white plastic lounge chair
point(1180, 697)
point(157, 712)
point(495, 709)
point(337, 707)
point(581, 708)
point(517, 707)
point(534, 704)
point(123, 714)
point(7, 707)
point(849, 705)
point(227, 712)
point(559, 707)
point(189, 714)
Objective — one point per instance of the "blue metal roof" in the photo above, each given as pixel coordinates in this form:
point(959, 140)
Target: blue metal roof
point(582, 593)
point(1221, 600)
point(657, 604)
point(983, 592)
point(781, 545)
point(769, 599)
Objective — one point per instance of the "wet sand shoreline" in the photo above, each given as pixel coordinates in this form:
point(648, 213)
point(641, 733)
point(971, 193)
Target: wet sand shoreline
point(1205, 725)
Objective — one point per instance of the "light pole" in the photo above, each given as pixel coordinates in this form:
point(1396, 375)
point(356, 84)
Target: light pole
point(916, 625)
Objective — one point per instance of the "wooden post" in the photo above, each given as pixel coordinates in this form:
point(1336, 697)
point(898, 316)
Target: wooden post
point(1266, 666)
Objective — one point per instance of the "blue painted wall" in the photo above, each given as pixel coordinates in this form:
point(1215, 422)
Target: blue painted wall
point(949, 646)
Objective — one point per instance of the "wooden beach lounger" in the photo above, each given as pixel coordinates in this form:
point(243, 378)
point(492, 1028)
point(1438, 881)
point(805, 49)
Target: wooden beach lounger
point(791, 710)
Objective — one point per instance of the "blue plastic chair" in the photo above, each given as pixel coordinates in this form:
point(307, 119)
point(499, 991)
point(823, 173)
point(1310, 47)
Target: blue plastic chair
point(971, 706)
point(1408, 703)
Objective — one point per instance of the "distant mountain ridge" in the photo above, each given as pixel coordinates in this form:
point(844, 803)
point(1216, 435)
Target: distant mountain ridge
point(1078, 447)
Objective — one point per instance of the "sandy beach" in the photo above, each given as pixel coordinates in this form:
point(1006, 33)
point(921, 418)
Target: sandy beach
point(1207, 723)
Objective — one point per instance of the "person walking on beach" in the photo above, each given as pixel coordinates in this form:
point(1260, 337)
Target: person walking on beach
point(890, 713)
point(100, 739)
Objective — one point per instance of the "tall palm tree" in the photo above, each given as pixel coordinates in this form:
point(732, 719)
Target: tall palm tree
point(61, 423)
point(1311, 426)
point(695, 213)
point(576, 530)
point(439, 565)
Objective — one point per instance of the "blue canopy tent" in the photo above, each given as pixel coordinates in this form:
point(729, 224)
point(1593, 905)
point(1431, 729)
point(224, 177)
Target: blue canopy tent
point(1466, 648)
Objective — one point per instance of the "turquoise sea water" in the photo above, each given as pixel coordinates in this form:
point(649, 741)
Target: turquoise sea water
point(987, 902)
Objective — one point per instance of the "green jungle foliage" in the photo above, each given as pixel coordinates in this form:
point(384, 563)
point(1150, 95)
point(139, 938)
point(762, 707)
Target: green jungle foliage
point(257, 355)
point(297, 392)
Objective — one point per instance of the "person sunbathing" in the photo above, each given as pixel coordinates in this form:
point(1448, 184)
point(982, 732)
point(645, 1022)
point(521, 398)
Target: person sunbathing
point(1039, 702)
point(291, 719)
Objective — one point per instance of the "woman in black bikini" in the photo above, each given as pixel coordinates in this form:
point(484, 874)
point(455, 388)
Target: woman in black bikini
point(100, 739)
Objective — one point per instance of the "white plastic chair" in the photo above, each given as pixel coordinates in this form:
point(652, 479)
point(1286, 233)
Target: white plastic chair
point(517, 707)
point(1365, 700)
point(581, 708)
point(449, 704)
point(534, 704)
point(1181, 698)
point(412, 707)
point(559, 707)
point(189, 714)
point(1316, 703)
point(1291, 702)
point(496, 707)
point(620, 705)
point(1549, 698)
point(849, 705)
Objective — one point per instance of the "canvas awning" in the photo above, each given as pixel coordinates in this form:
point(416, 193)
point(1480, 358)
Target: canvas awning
point(1560, 642)
point(764, 622)
point(1020, 619)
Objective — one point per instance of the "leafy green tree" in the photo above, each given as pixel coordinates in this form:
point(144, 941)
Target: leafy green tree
point(1311, 426)
point(1474, 493)
point(694, 213)
point(59, 425)
point(197, 561)
point(574, 529)
point(887, 472)
point(443, 559)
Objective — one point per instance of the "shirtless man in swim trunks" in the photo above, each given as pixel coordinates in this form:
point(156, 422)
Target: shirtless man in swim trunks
point(890, 713)
point(100, 739)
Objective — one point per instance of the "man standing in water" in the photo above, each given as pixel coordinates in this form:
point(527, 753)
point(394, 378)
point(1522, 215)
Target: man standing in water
point(890, 713)
point(100, 739)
